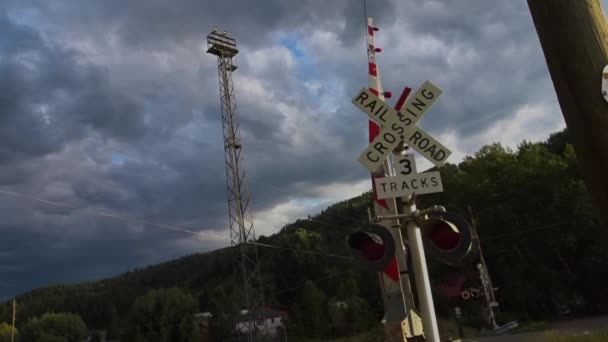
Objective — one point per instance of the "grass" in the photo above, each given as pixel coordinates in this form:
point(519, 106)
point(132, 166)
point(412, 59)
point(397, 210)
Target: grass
point(448, 327)
point(374, 335)
point(530, 327)
point(556, 336)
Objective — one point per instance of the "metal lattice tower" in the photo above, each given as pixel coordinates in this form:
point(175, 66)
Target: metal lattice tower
point(245, 259)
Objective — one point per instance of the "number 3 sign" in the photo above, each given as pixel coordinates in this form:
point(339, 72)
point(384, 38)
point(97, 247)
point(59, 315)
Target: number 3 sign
point(405, 165)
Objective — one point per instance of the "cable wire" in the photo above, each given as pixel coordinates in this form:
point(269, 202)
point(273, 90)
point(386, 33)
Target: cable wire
point(525, 231)
point(165, 226)
point(111, 215)
point(316, 281)
point(302, 250)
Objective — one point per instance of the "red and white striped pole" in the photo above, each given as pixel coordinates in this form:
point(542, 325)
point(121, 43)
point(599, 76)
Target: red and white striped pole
point(375, 86)
point(396, 289)
point(390, 280)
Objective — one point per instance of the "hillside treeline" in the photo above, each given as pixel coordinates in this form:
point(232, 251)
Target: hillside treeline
point(544, 250)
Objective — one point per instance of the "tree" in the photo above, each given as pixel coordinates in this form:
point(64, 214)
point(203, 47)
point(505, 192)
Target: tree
point(312, 314)
point(163, 315)
point(6, 331)
point(350, 313)
point(96, 337)
point(360, 315)
point(55, 327)
point(222, 309)
point(534, 219)
point(348, 288)
point(111, 319)
point(573, 37)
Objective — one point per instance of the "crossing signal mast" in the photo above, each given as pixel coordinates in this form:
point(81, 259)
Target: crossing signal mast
point(380, 246)
point(245, 259)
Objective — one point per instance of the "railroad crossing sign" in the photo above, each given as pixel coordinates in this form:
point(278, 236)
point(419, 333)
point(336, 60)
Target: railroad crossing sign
point(401, 126)
point(408, 180)
point(400, 186)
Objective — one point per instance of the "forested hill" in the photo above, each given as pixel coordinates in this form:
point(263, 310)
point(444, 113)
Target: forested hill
point(534, 218)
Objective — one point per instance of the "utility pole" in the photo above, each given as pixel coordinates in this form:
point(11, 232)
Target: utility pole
point(573, 37)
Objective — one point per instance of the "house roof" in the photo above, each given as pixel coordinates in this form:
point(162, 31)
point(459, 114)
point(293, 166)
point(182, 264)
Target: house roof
point(266, 311)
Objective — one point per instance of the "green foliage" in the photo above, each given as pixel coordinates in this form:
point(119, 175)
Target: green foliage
point(55, 327)
point(163, 315)
point(349, 313)
point(222, 307)
point(534, 219)
point(6, 331)
point(96, 337)
point(311, 311)
point(349, 288)
point(543, 247)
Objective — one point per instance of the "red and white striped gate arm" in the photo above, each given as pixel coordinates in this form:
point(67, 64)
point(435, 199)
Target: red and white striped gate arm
point(375, 86)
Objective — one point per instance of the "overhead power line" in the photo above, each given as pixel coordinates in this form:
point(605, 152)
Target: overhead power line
point(164, 226)
point(111, 215)
point(304, 251)
point(218, 237)
point(525, 231)
point(315, 281)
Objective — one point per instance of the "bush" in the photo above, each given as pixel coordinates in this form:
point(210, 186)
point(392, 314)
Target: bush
point(55, 327)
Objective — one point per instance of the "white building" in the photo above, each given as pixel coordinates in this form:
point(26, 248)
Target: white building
point(268, 320)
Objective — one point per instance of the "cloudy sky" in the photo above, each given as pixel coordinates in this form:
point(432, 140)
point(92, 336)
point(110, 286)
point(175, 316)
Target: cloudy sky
point(113, 107)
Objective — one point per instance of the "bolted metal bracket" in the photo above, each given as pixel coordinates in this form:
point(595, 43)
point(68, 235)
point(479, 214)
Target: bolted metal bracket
point(411, 216)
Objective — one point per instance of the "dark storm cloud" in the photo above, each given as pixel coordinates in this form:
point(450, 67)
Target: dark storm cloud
point(160, 24)
point(486, 58)
point(113, 106)
point(33, 259)
point(47, 97)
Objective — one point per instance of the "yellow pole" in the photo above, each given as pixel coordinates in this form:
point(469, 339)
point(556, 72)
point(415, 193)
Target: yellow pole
point(573, 35)
point(14, 312)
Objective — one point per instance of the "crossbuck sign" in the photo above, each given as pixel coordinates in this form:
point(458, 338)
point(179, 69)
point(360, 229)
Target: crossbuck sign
point(397, 127)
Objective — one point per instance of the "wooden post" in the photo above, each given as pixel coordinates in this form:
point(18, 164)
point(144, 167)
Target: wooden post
point(573, 35)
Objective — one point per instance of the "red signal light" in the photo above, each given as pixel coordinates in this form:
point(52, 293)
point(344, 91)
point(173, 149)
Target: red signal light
point(444, 235)
point(374, 246)
point(368, 245)
point(447, 237)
